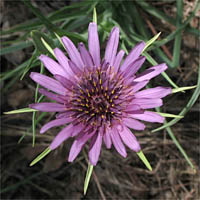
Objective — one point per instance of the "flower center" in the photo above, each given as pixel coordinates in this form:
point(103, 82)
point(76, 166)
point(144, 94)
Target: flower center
point(97, 97)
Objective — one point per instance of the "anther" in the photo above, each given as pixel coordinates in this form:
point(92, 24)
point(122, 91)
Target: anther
point(81, 91)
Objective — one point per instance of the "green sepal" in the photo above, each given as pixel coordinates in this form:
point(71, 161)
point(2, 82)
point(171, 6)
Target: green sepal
point(42, 155)
point(59, 39)
point(48, 47)
point(144, 160)
point(88, 176)
point(94, 15)
point(151, 41)
point(170, 115)
point(36, 35)
point(183, 89)
point(22, 110)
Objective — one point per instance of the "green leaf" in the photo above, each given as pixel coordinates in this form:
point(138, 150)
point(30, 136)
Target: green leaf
point(170, 115)
point(171, 134)
point(183, 89)
point(88, 176)
point(151, 41)
point(48, 47)
point(36, 35)
point(94, 15)
point(22, 110)
point(144, 160)
point(29, 65)
point(15, 47)
point(42, 155)
point(177, 42)
point(162, 16)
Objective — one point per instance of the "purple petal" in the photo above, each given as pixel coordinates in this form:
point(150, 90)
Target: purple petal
point(65, 82)
point(148, 103)
point(50, 95)
point(93, 43)
point(133, 67)
point(75, 149)
point(75, 69)
point(153, 93)
point(78, 129)
point(118, 60)
point(149, 117)
point(112, 46)
point(86, 57)
point(129, 139)
point(63, 135)
point(139, 85)
point(133, 55)
point(94, 151)
point(107, 139)
point(151, 72)
point(48, 107)
point(119, 146)
point(64, 114)
point(48, 83)
point(77, 146)
point(134, 124)
point(52, 66)
point(72, 52)
point(63, 61)
point(132, 107)
point(53, 123)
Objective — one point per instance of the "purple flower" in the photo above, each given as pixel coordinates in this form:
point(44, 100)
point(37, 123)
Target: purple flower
point(99, 100)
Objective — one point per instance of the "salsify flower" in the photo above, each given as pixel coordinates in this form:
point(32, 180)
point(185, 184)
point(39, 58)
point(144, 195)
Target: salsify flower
point(99, 100)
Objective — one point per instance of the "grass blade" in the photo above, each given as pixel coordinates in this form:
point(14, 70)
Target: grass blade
point(171, 134)
point(177, 42)
point(16, 47)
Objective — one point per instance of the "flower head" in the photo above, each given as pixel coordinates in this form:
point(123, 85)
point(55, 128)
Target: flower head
point(99, 100)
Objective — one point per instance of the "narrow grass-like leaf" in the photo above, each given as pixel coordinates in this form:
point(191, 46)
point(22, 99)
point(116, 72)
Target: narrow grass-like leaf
point(171, 134)
point(29, 130)
point(36, 36)
point(22, 110)
point(177, 42)
point(151, 41)
point(88, 176)
point(21, 183)
point(48, 47)
point(17, 70)
point(15, 47)
point(144, 160)
point(140, 25)
point(51, 27)
point(162, 16)
point(183, 89)
point(34, 122)
point(170, 115)
point(178, 30)
point(41, 156)
point(29, 65)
